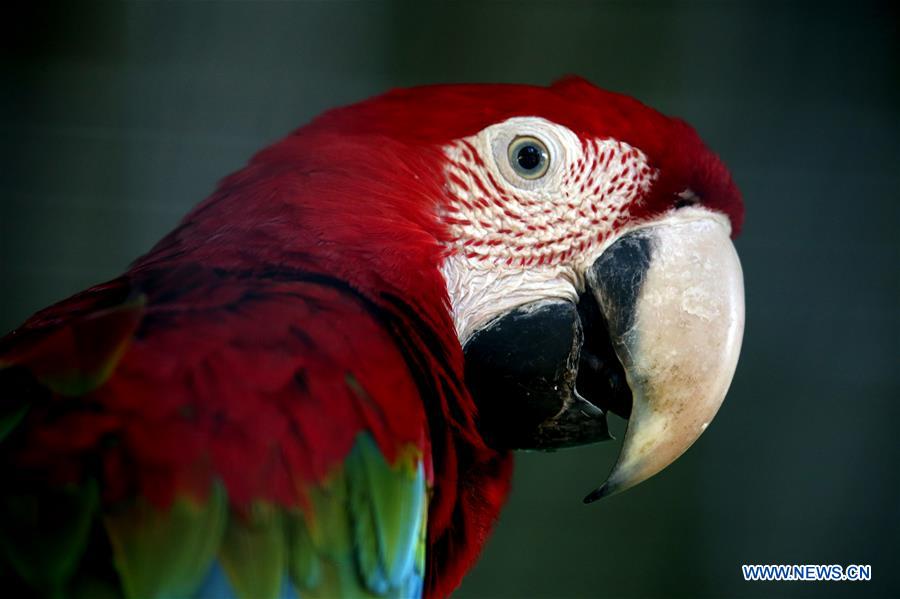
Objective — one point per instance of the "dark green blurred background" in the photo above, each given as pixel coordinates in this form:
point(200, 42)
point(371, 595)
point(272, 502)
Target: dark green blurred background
point(116, 118)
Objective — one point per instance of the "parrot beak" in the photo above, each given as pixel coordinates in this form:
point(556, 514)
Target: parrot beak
point(654, 338)
point(672, 297)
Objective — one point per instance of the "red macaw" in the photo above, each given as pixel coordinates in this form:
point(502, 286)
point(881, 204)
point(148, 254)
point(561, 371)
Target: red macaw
point(311, 387)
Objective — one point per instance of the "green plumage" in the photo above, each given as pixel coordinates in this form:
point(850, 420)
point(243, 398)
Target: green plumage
point(361, 534)
point(161, 554)
point(387, 503)
point(366, 526)
point(254, 552)
point(304, 564)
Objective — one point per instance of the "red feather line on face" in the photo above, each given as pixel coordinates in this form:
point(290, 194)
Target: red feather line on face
point(498, 226)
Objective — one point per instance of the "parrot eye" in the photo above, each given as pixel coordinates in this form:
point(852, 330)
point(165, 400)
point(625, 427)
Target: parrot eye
point(530, 153)
point(528, 157)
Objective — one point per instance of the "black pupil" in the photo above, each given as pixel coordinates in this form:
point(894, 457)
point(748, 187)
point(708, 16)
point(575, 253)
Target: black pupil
point(529, 157)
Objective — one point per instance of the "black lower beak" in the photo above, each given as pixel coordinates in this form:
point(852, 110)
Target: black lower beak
point(526, 368)
point(545, 375)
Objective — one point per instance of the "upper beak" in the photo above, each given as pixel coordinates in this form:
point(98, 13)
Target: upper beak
point(672, 296)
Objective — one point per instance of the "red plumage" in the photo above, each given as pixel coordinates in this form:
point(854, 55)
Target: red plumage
point(302, 303)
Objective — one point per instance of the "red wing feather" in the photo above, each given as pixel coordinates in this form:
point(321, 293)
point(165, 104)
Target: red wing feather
point(262, 383)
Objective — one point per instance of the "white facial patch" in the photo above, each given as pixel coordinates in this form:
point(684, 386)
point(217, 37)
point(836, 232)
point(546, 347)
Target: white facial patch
point(517, 240)
point(477, 295)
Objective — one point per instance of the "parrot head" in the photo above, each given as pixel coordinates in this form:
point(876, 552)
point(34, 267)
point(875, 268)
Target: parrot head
point(585, 249)
point(350, 335)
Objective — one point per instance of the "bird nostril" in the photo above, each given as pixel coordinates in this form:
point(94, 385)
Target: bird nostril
point(686, 198)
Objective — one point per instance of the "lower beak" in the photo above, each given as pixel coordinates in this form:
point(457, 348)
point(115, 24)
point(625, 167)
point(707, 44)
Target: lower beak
point(672, 297)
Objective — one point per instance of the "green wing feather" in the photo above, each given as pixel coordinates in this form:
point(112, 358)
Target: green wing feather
point(167, 553)
point(387, 503)
point(364, 533)
point(254, 552)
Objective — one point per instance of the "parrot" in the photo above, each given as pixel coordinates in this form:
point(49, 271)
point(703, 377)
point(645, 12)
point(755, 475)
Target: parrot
point(314, 385)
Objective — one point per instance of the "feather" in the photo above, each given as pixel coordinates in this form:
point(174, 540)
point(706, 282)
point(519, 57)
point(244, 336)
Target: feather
point(364, 527)
point(43, 533)
point(218, 586)
point(388, 503)
point(79, 356)
point(253, 552)
point(166, 552)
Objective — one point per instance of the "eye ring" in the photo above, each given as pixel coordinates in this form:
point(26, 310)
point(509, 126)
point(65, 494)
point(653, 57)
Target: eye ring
point(528, 157)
